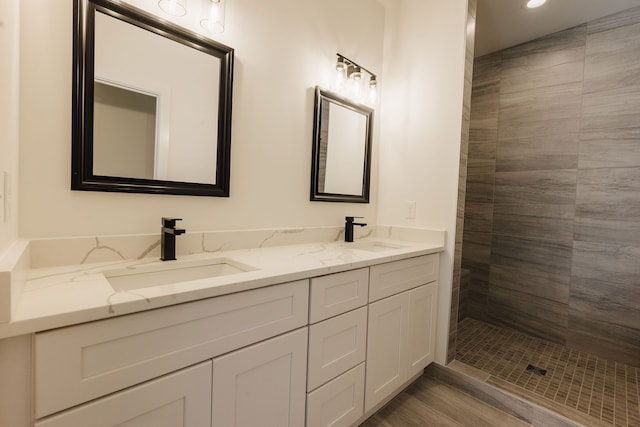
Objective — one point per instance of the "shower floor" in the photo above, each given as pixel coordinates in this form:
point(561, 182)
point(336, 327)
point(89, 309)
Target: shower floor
point(574, 380)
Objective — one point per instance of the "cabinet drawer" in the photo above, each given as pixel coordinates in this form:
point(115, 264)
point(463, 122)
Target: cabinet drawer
point(182, 398)
point(79, 363)
point(338, 293)
point(336, 345)
point(339, 402)
point(398, 276)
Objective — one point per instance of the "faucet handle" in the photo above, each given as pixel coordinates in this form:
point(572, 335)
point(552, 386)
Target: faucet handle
point(351, 218)
point(169, 222)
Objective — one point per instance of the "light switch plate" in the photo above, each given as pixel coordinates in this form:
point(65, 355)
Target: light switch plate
point(410, 210)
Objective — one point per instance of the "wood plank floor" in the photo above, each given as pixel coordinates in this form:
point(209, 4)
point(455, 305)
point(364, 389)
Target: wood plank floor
point(430, 402)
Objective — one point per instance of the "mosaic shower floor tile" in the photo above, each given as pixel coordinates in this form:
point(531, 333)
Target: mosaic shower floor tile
point(606, 390)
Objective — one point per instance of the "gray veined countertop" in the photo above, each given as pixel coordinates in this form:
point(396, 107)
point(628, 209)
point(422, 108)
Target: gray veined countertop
point(58, 296)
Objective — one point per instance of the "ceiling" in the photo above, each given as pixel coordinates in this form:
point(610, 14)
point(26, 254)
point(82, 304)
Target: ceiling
point(504, 23)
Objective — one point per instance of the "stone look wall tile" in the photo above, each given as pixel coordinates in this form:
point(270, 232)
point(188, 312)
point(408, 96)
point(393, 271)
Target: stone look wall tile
point(552, 225)
point(534, 220)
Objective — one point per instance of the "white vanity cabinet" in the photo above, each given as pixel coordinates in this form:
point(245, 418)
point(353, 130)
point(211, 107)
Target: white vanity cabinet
point(324, 351)
point(401, 327)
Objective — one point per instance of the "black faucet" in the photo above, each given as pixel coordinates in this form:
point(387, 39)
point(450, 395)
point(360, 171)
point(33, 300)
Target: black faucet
point(168, 234)
point(348, 227)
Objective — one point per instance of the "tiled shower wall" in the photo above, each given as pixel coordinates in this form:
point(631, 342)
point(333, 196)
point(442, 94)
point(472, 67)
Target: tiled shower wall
point(552, 212)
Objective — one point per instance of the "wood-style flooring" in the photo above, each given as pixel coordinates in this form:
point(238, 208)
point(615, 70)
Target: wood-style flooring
point(430, 402)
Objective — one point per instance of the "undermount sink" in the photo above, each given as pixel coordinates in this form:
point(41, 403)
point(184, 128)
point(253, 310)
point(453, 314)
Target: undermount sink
point(374, 246)
point(146, 276)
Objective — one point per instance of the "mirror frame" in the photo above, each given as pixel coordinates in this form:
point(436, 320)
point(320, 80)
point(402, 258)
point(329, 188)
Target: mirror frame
point(82, 177)
point(316, 194)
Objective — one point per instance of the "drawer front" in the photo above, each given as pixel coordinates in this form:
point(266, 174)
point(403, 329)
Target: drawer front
point(336, 345)
point(182, 398)
point(339, 403)
point(398, 276)
point(338, 293)
point(79, 363)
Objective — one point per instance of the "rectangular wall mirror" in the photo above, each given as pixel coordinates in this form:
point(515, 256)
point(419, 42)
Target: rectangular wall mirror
point(341, 155)
point(151, 104)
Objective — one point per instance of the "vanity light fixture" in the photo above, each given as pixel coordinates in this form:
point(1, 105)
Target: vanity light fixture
point(173, 7)
point(213, 16)
point(351, 79)
point(535, 3)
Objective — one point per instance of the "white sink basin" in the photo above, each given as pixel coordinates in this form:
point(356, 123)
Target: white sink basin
point(146, 276)
point(373, 246)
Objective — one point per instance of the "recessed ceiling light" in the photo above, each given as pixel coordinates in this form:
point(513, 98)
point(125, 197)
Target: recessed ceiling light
point(535, 3)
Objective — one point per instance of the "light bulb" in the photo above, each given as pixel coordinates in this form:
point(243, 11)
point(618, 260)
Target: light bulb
point(535, 3)
point(356, 74)
point(213, 21)
point(173, 7)
point(354, 89)
point(373, 91)
point(339, 82)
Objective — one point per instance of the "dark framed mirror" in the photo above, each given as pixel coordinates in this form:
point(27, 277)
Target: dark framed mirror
point(341, 154)
point(151, 104)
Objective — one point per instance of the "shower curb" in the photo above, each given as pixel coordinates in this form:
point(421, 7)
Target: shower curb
point(505, 401)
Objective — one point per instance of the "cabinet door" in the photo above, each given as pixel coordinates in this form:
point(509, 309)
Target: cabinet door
point(262, 385)
point(421, 327)
point(182, 399)
point(386, 342)
point(401, 340)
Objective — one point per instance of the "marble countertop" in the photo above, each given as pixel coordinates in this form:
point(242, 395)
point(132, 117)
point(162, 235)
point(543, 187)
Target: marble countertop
point(57, 296)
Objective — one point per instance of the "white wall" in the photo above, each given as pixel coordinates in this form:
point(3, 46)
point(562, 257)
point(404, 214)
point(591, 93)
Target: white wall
point(9, 80)
point(421, 123)
point(283, 49)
